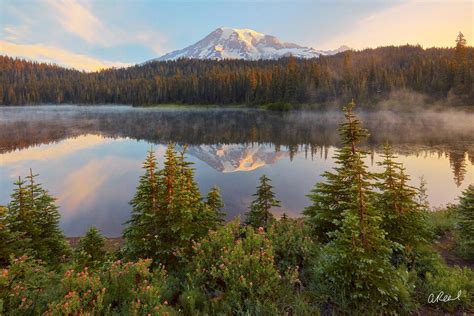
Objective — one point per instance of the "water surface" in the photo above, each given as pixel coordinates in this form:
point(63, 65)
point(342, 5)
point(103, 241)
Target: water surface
point(90, 157)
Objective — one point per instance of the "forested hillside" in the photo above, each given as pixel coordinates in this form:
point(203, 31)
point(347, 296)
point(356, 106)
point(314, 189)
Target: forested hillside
point(368, 76)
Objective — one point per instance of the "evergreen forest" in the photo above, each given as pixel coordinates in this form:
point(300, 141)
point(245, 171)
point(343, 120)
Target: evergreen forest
point(443, 75)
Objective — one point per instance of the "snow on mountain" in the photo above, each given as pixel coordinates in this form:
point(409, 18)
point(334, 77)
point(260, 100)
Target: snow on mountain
point(236, 157)
point(230, 43)
point(341, 49)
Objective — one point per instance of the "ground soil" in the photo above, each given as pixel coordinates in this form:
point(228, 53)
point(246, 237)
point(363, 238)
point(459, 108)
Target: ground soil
point(445, 246)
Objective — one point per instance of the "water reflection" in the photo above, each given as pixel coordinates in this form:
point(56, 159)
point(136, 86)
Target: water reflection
point(90, 157)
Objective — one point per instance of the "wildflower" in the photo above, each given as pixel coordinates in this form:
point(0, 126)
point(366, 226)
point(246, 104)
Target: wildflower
point(261, 230)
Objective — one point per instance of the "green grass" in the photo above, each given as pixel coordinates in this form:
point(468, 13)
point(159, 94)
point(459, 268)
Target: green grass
point(442, 221)
point(189, 106)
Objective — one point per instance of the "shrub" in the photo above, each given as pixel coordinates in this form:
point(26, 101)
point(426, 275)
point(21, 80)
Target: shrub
point(442, 221)
point(26, 286)
point(82, 292)
point(465, 225)
point(134, 283)
point(451, 281)
point(293, 248)
point(90, 251)
point(233, 271)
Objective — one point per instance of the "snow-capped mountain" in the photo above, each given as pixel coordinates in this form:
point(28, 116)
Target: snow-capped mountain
point(236, 157)
point(230, 43)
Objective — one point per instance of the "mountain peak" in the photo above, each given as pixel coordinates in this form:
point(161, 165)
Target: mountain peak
point(227, 31)
point(248, 44)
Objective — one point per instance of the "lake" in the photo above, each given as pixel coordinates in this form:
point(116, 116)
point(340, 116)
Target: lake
point(89, 157)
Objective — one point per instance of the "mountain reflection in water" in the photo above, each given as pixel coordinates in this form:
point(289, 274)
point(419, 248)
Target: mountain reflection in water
point(90, 157)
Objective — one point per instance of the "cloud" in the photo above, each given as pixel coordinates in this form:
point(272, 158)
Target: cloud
point(54, 151)
point(14, 33)
point(428, 23)
point(155, 40)
point(78, 19)
point(83, 185)
point(74, 31)
point(46, 53)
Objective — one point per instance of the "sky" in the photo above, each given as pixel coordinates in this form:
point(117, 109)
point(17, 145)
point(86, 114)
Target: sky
point(96, 34)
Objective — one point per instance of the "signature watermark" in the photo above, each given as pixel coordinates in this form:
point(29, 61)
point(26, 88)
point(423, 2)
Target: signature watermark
point(443, 297)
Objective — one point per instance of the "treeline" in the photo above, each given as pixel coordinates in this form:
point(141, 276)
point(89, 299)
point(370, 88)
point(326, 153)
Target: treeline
point(362, 248)
point(369, 75)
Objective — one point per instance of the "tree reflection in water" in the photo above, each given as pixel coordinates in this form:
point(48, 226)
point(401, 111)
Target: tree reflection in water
point(424, 132)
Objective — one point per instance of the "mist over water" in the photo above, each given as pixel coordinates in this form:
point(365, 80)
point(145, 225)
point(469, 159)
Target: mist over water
point(90, 157)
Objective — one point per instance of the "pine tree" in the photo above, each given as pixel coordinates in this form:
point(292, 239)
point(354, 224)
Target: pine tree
point(49, 244)
point(403, 218)
point(33, 214)
point(215, 204)
point(20, 219)
point(90, 251)
point(167, 212)
point(143, 226)
point(355, 269)
point(330, 198)
point(462, 72)
point(189, 186)
point(465, 225)
point(460, 48)
point(259, 214)
point(182, 205)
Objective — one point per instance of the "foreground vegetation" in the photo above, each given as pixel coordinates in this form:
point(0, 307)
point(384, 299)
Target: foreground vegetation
point(369, 75)
point(363, 247)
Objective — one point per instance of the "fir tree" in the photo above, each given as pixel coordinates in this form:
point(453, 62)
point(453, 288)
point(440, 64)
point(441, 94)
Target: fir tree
point(259, 214)
point(403, 218)
point(329, 198)
point(90, 251)
point(355, 269)
point(167, 212)
point(215, 204)
point(189, 186)
point(49, 244)
point(187, 217)
point(465, 225)
point(33, 214)
point(20, 219)
point(143, 226)
point(460, 47)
